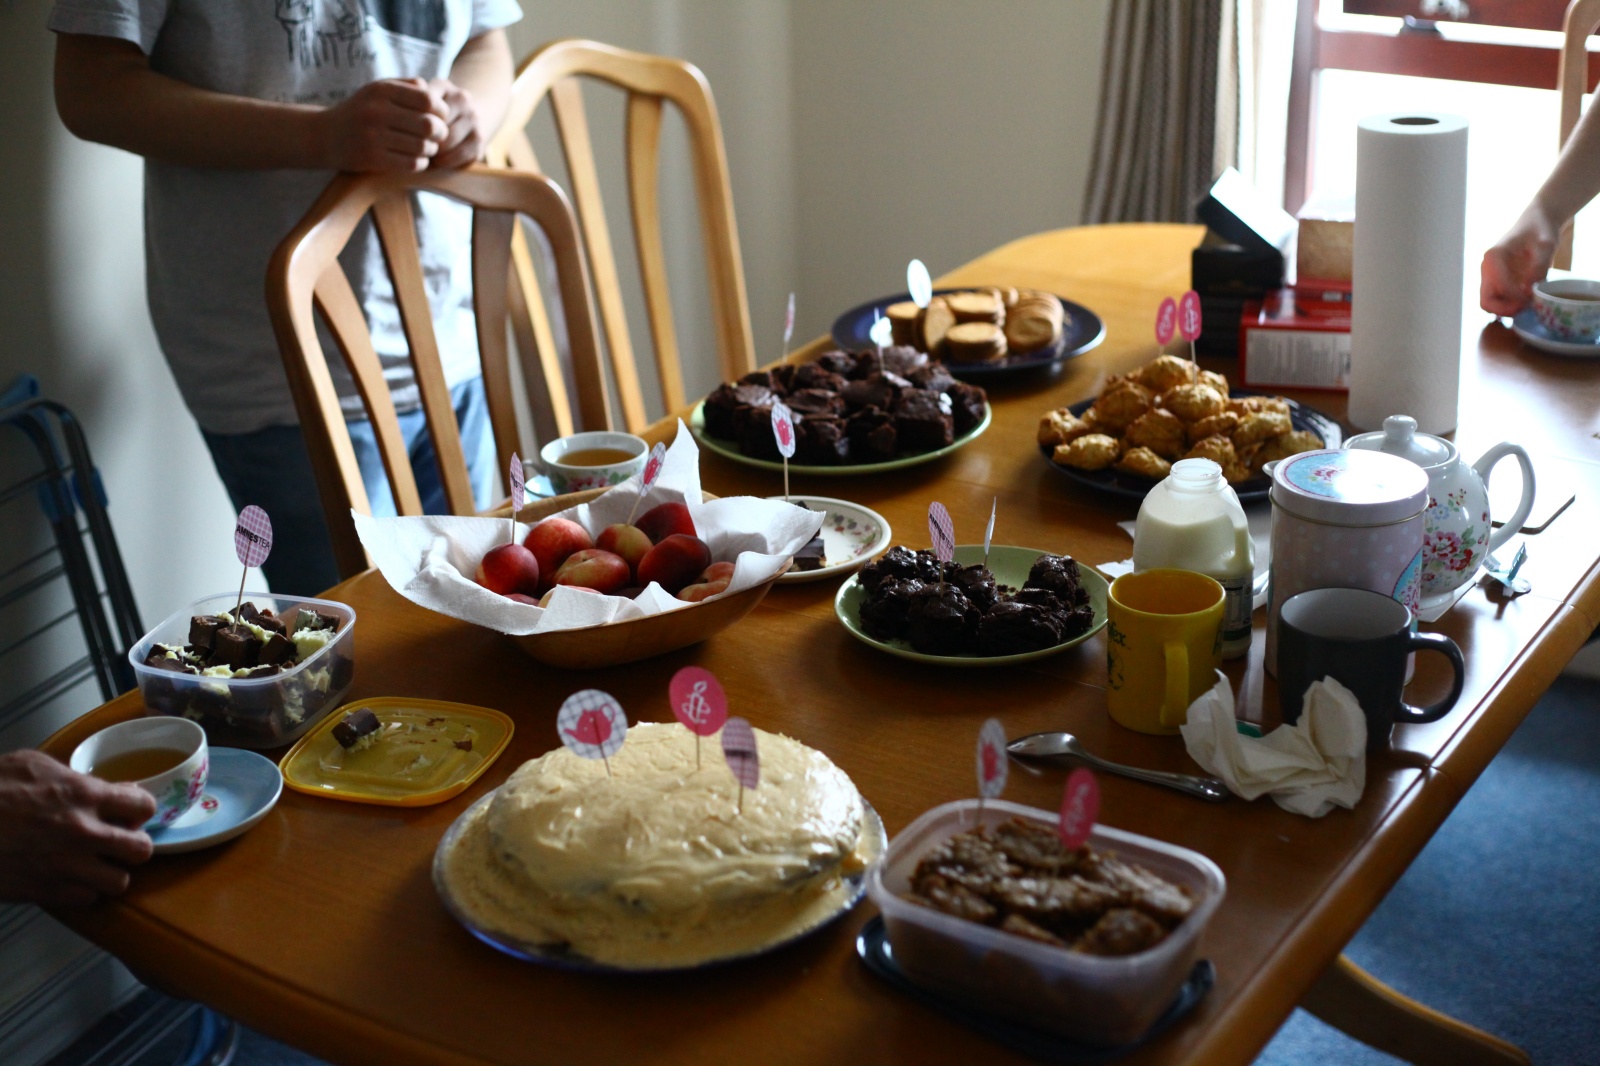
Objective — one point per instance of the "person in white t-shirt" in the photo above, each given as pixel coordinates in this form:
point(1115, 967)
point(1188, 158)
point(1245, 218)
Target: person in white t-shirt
point(243, 111)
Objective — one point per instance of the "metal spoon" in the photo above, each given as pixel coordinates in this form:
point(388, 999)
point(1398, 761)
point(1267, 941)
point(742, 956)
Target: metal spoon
point(1066, 746)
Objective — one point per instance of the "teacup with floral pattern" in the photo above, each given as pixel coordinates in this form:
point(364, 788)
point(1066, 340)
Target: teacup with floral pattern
point(1568, 308)
point(175, 789)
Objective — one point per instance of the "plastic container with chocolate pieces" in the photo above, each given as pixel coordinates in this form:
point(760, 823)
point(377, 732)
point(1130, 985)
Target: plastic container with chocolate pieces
point(260, 681)
point(1099, 999)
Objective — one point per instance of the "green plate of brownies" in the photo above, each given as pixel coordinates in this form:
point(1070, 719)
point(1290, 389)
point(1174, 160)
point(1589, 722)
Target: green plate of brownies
point(730, 449)
point(1010, 566)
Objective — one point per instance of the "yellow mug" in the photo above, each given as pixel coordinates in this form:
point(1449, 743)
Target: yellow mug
point(1163, 646)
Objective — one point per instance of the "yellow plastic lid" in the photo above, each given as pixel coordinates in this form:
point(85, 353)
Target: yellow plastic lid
point(424, 752)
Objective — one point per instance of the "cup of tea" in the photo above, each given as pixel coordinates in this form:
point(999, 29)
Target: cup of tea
point(1362, 639)
point(595, 460)
point(1568, 308)
point(1163, 646)
point(165, 756)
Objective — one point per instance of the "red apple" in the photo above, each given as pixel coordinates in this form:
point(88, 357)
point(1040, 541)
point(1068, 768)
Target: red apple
point(718, 572)
point(592, 568)
point(508, 568)
point(665, 520)
point(703, 591)
point(675, 562)
point(552, 541)
point(629, 542)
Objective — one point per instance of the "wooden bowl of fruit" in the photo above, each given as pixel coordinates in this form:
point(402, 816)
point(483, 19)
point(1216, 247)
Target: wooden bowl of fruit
point(614, 643)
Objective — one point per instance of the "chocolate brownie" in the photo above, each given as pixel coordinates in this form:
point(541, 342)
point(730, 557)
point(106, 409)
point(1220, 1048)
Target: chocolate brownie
point(837, 362)
point(885, 614)
point(723, 405)
point(1012, 628)
point(815, 402)
point(872, 435)
point(900, 562)
point(874, 390)
point(922, 421)
point(941, 621)
point(967, 405)
point(820, 440)
point(814, 376)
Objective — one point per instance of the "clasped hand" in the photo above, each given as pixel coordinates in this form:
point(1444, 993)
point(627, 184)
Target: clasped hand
point(405, 125)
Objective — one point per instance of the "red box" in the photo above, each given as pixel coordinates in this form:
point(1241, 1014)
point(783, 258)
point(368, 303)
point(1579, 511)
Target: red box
point(1282, 347)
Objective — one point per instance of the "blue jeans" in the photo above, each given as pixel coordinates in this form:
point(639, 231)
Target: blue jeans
point(272, 469)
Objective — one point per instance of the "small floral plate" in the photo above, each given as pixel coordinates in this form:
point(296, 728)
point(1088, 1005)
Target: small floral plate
point(852, 536)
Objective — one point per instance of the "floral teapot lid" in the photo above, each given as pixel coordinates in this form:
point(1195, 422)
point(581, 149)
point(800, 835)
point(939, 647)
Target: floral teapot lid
point(1399, 436)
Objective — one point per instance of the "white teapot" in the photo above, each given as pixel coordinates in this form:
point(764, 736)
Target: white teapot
point(1457, 533)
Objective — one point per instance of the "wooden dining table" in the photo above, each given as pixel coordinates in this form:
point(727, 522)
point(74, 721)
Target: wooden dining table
point(321, 926)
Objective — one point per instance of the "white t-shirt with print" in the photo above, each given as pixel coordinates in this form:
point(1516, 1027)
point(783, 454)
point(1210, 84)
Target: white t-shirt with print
point(209, 232)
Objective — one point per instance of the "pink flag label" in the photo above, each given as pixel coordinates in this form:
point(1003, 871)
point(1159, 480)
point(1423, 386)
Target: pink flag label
point(739, 749)
point(1080, 806)
point(783, 428)
point(591, 724)
point(1166, 320)
point(1189, 315)
point(942, 532)
point(698, 700)
point(992, 764)
point(516, 477)
point(652, 465)
point(252, 536)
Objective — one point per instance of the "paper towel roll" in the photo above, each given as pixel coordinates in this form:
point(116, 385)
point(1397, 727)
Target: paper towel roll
point(1411, 209)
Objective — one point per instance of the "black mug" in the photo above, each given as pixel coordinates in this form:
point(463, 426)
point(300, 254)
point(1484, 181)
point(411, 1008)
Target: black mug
point(1362, 640)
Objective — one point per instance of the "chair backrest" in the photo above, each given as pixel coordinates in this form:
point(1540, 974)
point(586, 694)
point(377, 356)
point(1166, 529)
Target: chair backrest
point(1583, 18)
point(649, 82)
point(305, 274)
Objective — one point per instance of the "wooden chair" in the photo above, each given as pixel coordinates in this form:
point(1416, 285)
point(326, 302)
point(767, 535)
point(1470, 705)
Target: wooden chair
point(649, 81)
point(1572, 79)
point(305, 274)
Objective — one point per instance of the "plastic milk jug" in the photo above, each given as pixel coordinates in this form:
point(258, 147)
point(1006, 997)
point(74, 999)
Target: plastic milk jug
point(1193, 521)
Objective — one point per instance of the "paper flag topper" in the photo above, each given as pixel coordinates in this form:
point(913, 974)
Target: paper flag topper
point(591, 724)
point(652, 465)
point(1189, 315)
point(919, 283)
point(788, 323)
point(252, 536)
point(880, 332)
point(516, 477)
point(992, 765)
point(988, 532)
point(942, 532)
point(1166, 320)
point(783, 428)
point(739, 748)
point(698, 700)
point(1080, 806)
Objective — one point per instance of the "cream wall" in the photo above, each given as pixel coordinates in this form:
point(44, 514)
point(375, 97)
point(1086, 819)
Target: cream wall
point(859, 135)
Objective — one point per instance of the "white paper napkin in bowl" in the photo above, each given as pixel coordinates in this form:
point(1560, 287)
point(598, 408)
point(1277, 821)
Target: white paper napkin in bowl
point(1309, 768)
point(430, 560)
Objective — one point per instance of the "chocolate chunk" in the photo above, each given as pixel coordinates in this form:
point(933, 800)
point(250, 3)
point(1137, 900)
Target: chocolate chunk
point(265, 670)
point(161, 661)
point(265, 619)
point(1013, 628)
point(355, 726)
point(235, 646)
point(310, 619)
point(810, 557)
point(942, 621)
point(884, 614)
point(203, 630)
point(464, 744)
point(277, 650)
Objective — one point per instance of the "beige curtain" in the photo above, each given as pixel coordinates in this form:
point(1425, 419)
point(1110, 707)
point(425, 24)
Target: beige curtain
point(1169, 109)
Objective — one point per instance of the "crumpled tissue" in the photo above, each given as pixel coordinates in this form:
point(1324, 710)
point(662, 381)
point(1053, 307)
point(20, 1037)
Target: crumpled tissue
point(430, 560)
point(1309, 768)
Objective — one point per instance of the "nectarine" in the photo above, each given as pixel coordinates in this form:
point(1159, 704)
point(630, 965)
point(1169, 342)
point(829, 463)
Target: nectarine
point(665, 520)
point(552, 541)
point(675, 562)
point(508, 568)
point(595, 569)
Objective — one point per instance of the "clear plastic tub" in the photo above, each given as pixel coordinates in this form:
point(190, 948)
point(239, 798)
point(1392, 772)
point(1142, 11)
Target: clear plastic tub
point(264, 712)
point(1093, 998)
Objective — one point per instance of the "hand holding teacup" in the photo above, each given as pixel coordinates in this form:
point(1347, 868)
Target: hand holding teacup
point(65, 839)
point(167, 757)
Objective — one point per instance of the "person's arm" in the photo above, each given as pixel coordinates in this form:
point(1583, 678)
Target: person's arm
point(106, 92)
point(63, 840)
point(476, 95)
point(1523, 255)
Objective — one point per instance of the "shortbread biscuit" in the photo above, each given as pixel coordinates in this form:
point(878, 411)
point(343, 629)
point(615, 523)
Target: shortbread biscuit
point(974, 342)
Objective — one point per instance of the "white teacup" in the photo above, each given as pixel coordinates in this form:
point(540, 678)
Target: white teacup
point(1568, 308)
point(579, 462)
point(167, 757)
